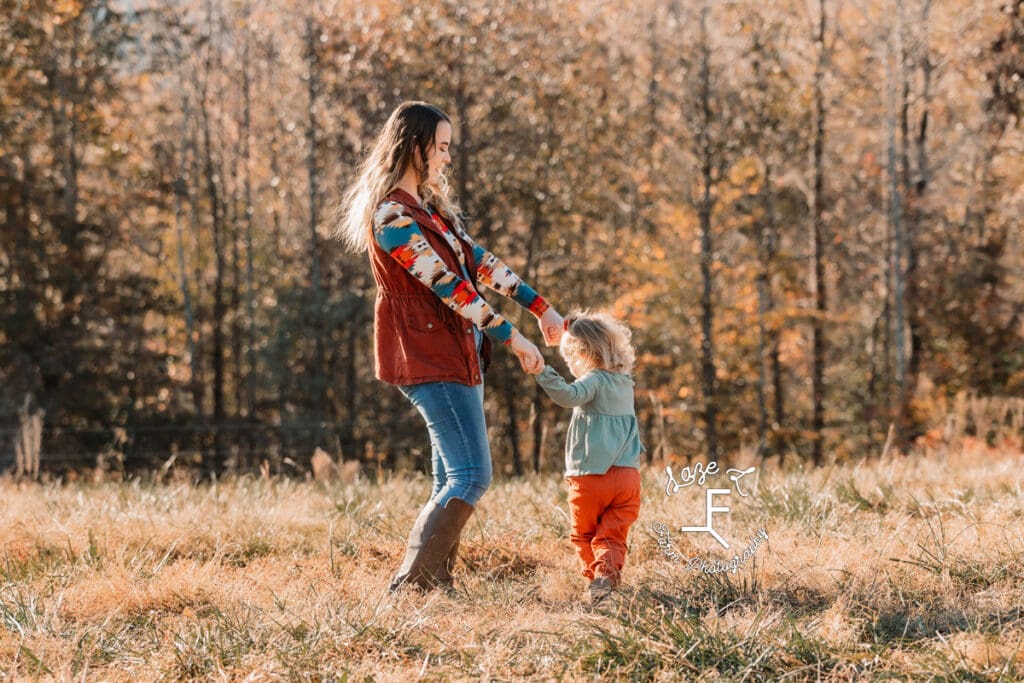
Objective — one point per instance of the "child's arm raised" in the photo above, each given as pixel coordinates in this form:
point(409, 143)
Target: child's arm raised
point(579, 393)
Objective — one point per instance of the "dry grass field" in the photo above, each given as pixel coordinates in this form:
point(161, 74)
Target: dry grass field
point(906, 568)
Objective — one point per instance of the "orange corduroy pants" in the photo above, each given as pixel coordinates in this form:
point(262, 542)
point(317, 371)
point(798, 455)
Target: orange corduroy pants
point(603, 507)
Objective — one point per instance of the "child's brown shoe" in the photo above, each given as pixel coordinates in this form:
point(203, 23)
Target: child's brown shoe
point(599, 589)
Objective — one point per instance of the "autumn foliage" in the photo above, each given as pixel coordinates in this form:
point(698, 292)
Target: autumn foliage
point(809, 214)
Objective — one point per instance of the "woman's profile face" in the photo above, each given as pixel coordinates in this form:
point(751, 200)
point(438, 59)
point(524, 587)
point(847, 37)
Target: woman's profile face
point(439, 154)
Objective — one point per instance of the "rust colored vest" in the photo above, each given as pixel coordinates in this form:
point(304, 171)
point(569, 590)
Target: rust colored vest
point(417, 338)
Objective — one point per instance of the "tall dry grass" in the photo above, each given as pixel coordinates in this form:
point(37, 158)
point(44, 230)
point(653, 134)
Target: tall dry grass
point(905, 567)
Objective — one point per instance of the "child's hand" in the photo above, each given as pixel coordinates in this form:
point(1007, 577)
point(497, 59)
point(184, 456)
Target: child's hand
point(551, 326)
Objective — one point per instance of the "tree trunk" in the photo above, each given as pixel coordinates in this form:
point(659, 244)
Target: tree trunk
point(818, 242)
point(250, 278)
point(319, 383)
point(67, 89)
point(235, 307)
point(706, 247)
point(512, 426)
point(768, 347)
point(537, 411)
point(351, 380)
point(540, 428)
point(219, 308)
point(916, 189)
point(181, 192)
point(465, 165)
point(652, 94)
point(198, 384)
point(896, 223)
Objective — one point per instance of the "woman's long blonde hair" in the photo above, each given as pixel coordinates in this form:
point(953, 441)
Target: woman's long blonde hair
point(411, 127)
point(597, 341)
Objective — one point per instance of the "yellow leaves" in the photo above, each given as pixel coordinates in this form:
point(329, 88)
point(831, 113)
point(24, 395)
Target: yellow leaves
point(746, 172)
point(638, 300)
point(677, 219)
point(66, 9)
point(152, 215)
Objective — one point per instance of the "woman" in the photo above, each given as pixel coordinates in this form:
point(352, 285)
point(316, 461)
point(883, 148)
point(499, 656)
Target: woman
point(432, 329)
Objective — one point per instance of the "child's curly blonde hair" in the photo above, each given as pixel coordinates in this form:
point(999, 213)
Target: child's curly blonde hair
point(596, 341)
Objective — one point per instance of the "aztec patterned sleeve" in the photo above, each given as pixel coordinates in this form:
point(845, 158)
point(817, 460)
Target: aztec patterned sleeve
point(401, 237)
point(499, 278)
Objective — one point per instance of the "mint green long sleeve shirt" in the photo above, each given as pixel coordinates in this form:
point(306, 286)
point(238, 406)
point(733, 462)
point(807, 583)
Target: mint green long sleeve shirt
point(603, 431)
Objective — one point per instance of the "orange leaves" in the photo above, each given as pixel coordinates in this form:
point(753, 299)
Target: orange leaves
point(66, 9)
point(747, 173)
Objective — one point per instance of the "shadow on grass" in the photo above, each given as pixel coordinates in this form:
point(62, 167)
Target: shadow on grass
point(925, 622)
point(653, 633)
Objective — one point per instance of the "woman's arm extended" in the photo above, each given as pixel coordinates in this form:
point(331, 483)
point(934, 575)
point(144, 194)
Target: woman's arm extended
point(401, 237)
point(496, 276)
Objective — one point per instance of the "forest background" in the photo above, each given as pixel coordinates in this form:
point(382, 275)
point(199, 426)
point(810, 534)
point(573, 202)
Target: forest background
point(808, 212)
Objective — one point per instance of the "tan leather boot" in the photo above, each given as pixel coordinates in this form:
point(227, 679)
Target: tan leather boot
point(430, 554)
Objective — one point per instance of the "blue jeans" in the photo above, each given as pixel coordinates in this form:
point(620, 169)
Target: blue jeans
point(460, 453)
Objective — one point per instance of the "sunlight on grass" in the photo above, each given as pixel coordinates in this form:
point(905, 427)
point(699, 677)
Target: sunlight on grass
point(908, 567)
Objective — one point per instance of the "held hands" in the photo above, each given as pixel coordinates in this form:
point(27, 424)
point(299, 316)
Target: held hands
point(528, 354)
point(551, 326)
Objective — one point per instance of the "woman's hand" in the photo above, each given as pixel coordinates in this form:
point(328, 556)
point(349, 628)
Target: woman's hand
point(551, 326)
point(528, 354)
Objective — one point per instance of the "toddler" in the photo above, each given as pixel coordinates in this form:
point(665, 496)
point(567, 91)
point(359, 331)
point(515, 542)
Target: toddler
point(602, 447)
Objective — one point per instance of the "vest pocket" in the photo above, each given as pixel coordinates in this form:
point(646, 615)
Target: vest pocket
point(415, 343)
point(425, 323)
